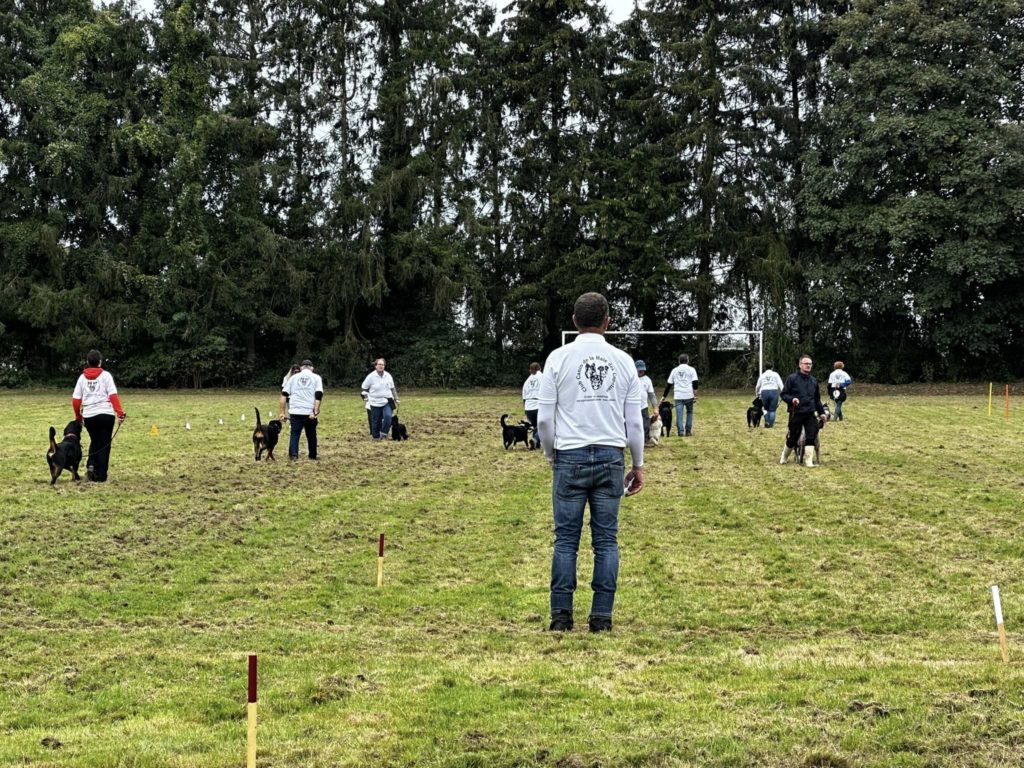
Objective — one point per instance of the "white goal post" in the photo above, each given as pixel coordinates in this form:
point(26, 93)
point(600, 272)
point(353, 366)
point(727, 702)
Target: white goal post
point(742, 332)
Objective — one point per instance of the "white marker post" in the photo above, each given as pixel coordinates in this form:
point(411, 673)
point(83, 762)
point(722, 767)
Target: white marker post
point(997, 605)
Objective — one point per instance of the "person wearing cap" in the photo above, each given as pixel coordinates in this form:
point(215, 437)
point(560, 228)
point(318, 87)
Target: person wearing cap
point(650, 398)
point(302, 394)
point(378, 389)
point(531, 391)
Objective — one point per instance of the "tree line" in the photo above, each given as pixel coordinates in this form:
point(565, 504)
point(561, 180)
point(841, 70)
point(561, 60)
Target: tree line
point(211, 189)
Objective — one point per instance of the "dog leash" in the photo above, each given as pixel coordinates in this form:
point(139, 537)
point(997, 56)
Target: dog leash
point(116, 430)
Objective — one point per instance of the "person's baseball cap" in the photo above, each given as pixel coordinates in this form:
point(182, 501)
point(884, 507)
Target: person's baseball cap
point(641, 365)
point(306, 362)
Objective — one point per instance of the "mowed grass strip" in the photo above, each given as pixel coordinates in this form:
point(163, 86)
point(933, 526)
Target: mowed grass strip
point(767, 615)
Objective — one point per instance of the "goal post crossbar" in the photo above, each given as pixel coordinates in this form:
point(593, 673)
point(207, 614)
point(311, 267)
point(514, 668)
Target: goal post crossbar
point(759, 334)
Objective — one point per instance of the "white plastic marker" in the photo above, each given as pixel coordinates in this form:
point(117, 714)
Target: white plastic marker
point(998, 606)
point(188, 425)
point(250, 761)
point(243, 417)
point(220, 421)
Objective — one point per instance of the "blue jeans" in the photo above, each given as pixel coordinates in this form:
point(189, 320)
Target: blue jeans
point(380, 421)
point(686, 405)
point(770, 398)
point(591, 475)
point(298, 423)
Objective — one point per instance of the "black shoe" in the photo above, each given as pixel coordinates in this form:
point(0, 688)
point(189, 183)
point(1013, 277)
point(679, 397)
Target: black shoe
point(600, 623)
point(561, 622)
point(90, 473)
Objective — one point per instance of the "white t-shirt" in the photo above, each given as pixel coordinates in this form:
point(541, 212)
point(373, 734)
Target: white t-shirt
point(301, 389)
point(379, 387)
point(95, 394)
point(591, 384)
point(768, 381)
point(647, 391)
point(682, 378)
point(531, 391)
point(838, 379)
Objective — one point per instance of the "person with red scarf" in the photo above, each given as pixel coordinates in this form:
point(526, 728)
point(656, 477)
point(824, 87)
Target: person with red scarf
point(96, 405)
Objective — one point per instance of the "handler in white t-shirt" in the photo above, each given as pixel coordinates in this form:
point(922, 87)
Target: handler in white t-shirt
point(590, 402)
point(96, 405)
point(378, 389)
point(684, 380)
point(769, 389)
point(531, 391)
point(303, 393)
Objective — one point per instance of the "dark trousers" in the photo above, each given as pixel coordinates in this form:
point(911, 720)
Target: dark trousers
point(807, 421)
point(299, 423)
point(101, 432)
point(532, 418)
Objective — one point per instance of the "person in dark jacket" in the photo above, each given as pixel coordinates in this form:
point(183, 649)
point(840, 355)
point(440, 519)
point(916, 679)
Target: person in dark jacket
point(806, 411)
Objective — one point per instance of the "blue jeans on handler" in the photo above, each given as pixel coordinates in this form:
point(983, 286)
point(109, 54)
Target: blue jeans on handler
point(686, 405)
point(380, 421)
point(591, 475)
point(298, 423)
point(770, 399)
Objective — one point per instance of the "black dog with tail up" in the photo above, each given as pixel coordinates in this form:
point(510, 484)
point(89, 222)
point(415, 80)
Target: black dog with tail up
point(264, 438)
point(67, 454)
point(515, 433)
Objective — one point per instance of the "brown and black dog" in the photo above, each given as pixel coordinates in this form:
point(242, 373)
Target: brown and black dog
point(67, 454)
point(264, 438)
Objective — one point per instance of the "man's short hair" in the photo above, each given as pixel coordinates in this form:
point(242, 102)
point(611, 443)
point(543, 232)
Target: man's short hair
point(307, 363)
point(684, 359)
point(534, 367)
point(380, 360)
point(590, 310)
point(93, 357)
point(769, 366)
point(801, 358)
point(839, 365)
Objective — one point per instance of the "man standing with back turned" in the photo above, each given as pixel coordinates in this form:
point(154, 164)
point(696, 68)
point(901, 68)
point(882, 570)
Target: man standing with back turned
point(589, 410)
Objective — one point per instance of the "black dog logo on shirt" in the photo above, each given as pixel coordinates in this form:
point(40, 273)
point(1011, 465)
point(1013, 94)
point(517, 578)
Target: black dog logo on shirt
point(596, 374)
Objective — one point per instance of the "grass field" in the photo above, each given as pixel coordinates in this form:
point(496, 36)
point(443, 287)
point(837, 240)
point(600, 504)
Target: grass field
point(767, 615)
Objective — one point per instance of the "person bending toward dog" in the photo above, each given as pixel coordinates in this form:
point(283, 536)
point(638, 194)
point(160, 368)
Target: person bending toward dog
point(590, 401)
point(769, 385)
point(97, 406)
point(806, 410)
point(302, 395)
point(379, 391)
point(683, 379)
point(531, 389)
point(838, 381)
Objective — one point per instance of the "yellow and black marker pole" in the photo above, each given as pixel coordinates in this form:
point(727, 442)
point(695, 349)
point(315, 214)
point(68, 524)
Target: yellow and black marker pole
point(250, 760)
point(380, 561)
point(997, 606)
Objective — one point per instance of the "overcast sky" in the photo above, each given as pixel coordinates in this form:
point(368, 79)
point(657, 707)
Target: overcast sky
point(617, 9)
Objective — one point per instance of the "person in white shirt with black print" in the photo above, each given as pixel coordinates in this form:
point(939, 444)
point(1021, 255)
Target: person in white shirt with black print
point(96, 405)
point(650, 399)
point(769, 389)
point(684, 379)
point(302, 393)
point(379, 391)
point(590, 402)
point(531, 391)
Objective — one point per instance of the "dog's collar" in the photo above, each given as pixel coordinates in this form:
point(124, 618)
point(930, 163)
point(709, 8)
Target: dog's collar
point(72, 434)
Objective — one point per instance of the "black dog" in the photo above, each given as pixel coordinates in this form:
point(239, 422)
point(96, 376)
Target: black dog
point(665, 412)
point(801, 443)
point(398, 430)
point(265, 438)
point(515, 433)
point(755, 412)
point(67, 454)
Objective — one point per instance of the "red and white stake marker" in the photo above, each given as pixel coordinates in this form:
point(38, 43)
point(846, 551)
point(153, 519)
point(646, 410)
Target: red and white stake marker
point(380, 561)
point(251, 751)
point(997, 605)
